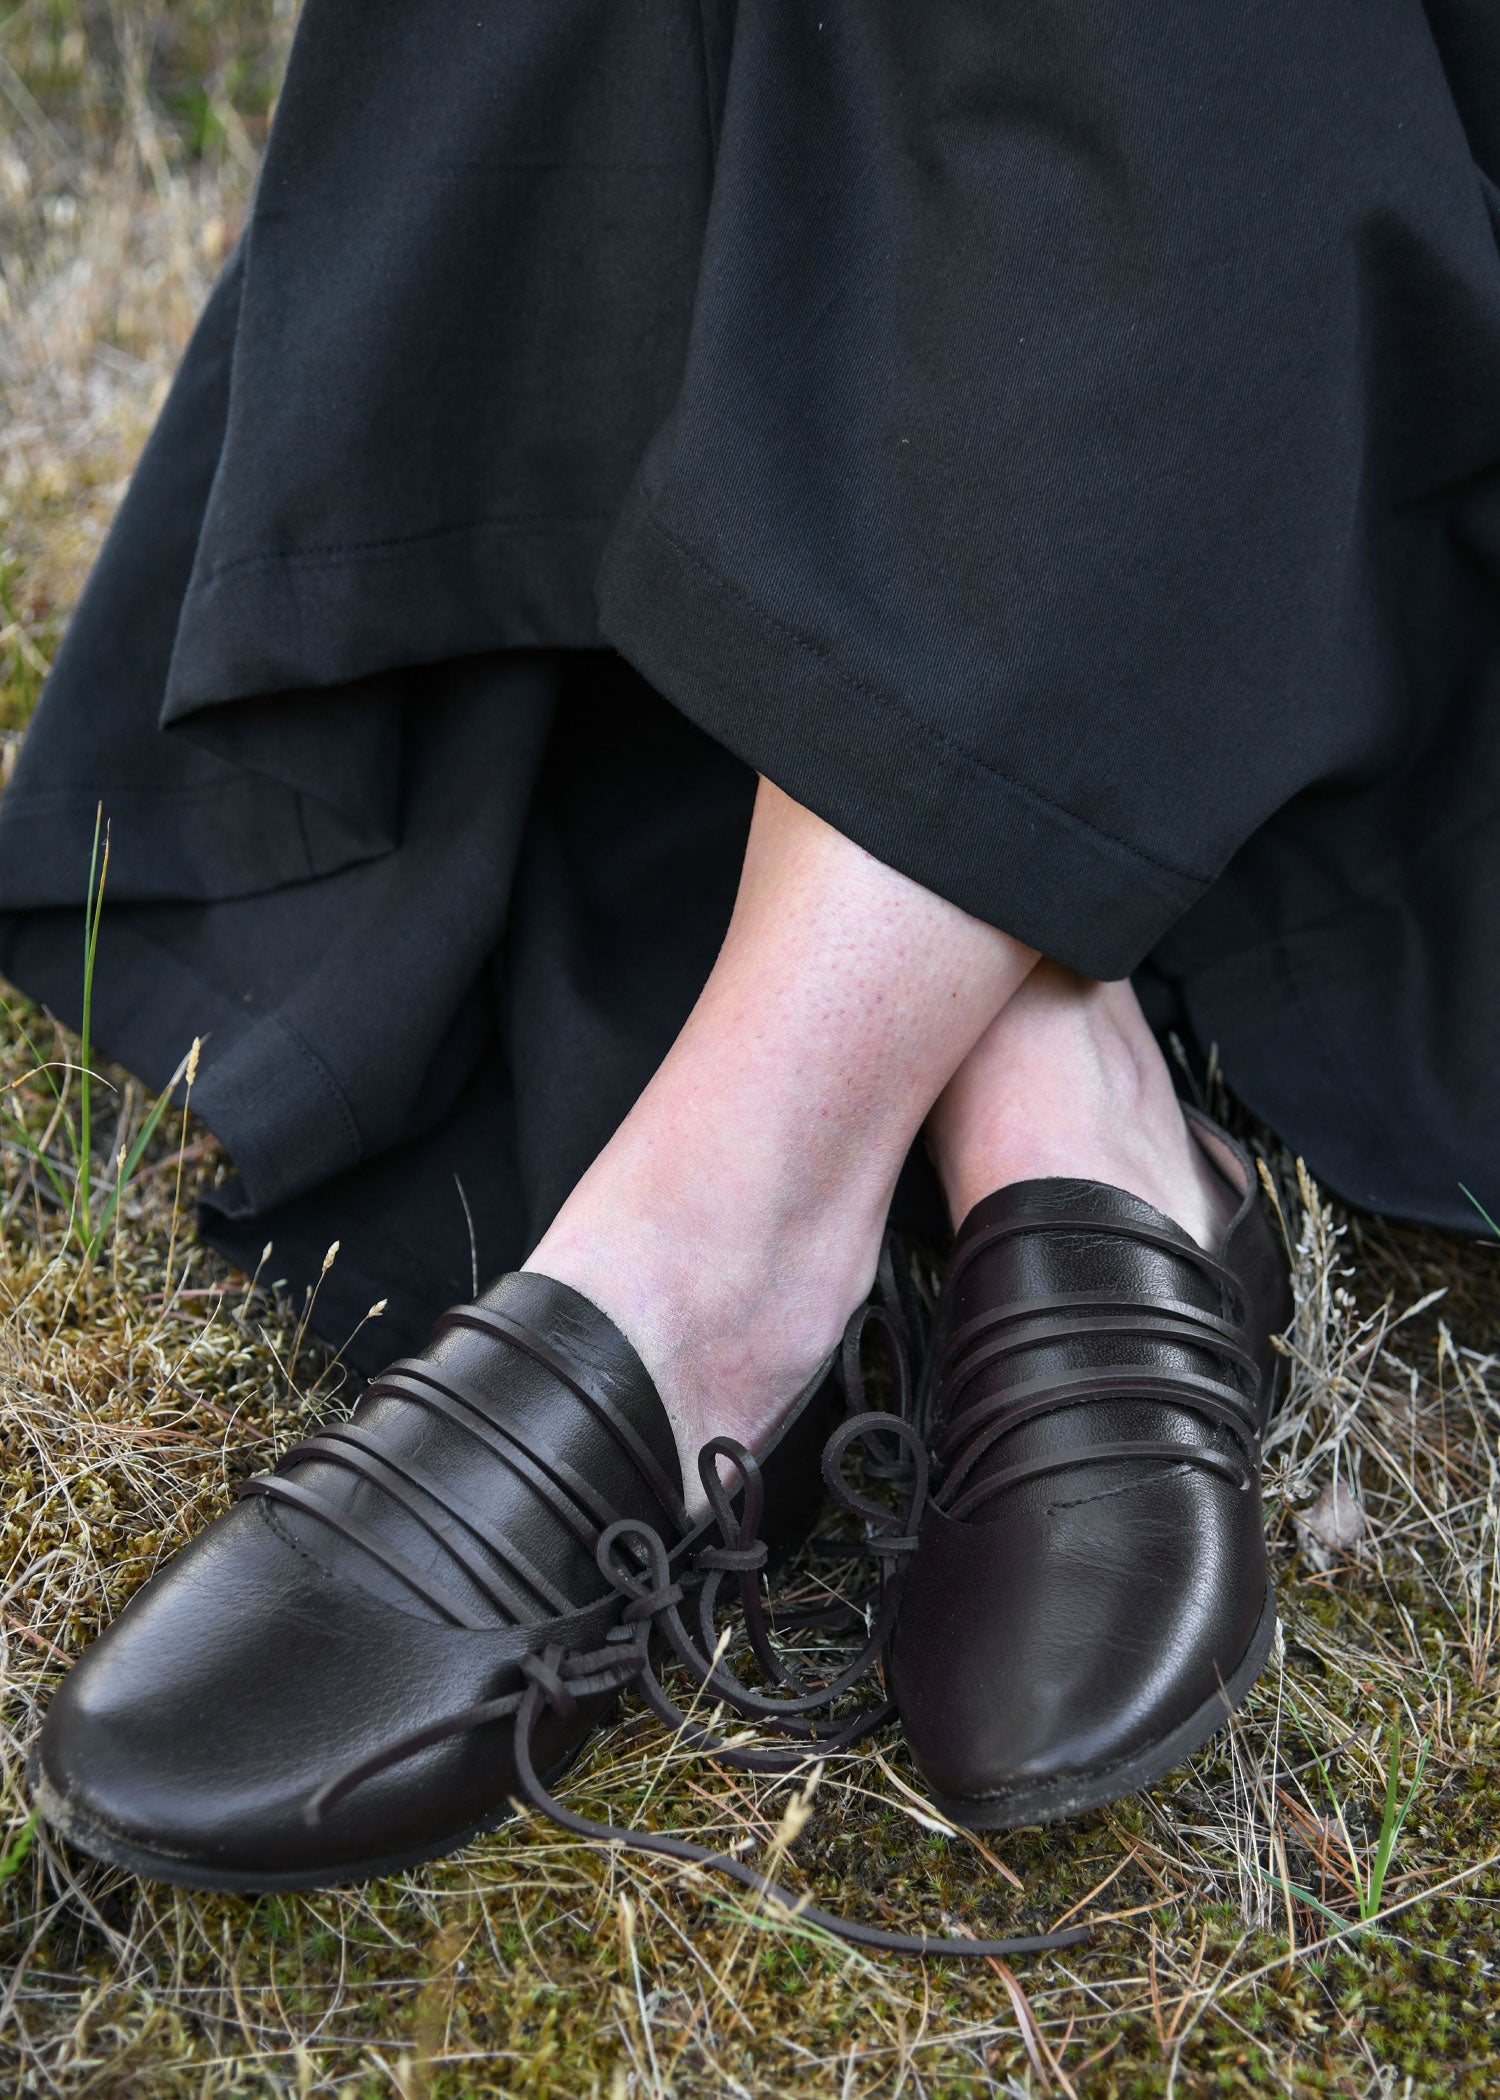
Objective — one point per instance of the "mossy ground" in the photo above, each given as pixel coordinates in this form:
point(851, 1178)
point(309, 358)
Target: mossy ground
point(134, 1391)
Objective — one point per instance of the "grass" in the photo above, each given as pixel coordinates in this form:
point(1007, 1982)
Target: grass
point(1367, 1892)
point(1309, 1907)
point(71, 1176)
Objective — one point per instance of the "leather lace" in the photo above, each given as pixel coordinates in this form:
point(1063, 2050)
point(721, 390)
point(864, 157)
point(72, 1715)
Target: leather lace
point(519, 1593)
point(677, 1608)
point(1226, 1397)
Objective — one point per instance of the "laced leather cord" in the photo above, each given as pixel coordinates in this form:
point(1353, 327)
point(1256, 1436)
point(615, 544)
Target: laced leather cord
point(1228, 1398)
point(679, 1609)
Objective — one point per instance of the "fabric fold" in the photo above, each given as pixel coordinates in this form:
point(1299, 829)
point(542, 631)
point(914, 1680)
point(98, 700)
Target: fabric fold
point(1059, 447)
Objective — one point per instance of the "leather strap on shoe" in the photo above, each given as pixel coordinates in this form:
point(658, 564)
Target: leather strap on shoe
point(519, 1593)
point(569, 1372)
point(1228, 1397)
point(681, 1610)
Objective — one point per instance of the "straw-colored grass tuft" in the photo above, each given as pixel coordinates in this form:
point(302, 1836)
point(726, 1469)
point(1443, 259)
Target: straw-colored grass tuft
point(1308, 1907)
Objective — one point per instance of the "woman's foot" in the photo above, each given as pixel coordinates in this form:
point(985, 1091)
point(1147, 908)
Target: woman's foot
point(1068, 1080)
point(733, 1222)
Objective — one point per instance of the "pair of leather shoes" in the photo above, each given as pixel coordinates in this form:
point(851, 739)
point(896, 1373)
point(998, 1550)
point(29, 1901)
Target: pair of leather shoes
point(421, 1615)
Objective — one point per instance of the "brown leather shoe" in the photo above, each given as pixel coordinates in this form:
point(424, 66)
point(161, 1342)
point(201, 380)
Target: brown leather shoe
point(397, 1568)
point(1090, 1599)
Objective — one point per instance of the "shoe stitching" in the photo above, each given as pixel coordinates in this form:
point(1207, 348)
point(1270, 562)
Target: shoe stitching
point(1128, 1487)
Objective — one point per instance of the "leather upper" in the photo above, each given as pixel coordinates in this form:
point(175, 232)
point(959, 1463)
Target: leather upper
point(474, 1480)
point(1080, 1591)
point(393, 1572)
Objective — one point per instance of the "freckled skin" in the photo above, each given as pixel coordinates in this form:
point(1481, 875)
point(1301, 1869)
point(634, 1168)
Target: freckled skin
point(733, 1221)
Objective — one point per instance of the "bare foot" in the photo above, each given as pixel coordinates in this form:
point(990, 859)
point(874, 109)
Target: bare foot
point(1068, 1079)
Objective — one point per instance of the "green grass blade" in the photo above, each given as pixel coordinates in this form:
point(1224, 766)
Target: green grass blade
point(134, 1156)
point(1302, 1895)
point(14, 1855)
point(1391, 1822)
point(18, 1027)
point(1494, 1228)
point(43, 1065)
point(22, 1137)
point(1309, 1899)
point(1359, 1883)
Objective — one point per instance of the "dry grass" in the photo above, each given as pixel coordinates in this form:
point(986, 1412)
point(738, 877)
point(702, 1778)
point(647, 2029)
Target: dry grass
point(133, 1393)
point(111, 231)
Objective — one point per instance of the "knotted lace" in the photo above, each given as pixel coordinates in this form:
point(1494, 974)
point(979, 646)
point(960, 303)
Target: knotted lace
point(678, 1611)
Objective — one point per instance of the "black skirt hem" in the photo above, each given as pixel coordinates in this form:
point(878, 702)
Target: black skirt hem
point(874, 767)
point(167, 844)
point(323, 617)
point(239, 1097)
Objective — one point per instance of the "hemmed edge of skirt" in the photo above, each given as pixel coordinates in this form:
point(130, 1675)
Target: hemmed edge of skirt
point(987, 843)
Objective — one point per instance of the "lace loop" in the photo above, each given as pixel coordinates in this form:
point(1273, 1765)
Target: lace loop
point(889, 1326)
point(857, 1429)
point(635, 1560)
point(753, 1485)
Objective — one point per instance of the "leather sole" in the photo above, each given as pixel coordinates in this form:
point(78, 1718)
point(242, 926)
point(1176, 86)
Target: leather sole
point(103, 1845)
point(1052, 1800)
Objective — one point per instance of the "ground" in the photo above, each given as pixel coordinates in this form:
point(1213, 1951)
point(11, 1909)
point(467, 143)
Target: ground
point(1247, 1940)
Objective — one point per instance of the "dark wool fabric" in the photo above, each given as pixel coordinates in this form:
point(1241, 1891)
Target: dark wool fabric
point(1058, 443)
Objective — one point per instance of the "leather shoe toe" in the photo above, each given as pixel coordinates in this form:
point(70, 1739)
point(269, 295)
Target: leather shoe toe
point(398, 1569)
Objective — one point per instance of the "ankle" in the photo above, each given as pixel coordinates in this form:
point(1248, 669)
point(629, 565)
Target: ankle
point(733, 1222)
point(733, 1295)
point(1071, 1082)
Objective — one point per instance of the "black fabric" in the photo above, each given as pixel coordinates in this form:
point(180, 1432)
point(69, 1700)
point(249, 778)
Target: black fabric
point(1057, 444)
point(419, 1056)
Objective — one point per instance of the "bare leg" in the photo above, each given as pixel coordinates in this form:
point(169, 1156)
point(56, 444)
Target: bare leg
point(733, 1221)
point(1069, 1079)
